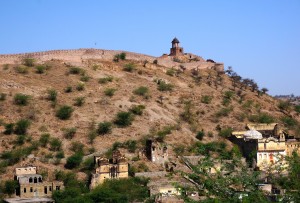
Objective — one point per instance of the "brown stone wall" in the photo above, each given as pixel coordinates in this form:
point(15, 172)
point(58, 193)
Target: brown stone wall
point(291, 147)
point(271, 146)
point(76, 55)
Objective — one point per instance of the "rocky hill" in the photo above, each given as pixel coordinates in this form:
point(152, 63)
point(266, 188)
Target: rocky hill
point(170, 100)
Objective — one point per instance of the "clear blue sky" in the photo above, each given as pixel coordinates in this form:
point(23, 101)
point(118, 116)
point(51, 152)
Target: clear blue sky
point(260, 39)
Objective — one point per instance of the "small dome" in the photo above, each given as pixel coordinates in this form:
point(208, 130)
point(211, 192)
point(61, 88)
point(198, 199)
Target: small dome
point(175, 40)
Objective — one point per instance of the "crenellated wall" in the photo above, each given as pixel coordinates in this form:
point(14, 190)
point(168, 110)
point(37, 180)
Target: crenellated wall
point(76, 55)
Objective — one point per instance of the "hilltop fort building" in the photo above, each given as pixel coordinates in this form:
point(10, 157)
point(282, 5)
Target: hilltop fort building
point(79, 57)
point(176, 50)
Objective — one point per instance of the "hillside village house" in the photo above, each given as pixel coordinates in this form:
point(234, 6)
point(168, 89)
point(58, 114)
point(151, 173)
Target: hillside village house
point(114, 168)
point(32, 187)
point(269, 141)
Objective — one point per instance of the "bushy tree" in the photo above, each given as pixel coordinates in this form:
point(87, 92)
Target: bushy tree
point(75, 70)
point(52, 95)
point(79, 101)
point(123, 119)
point(74, 161)
point(55, 144)
point(44, 139)
point(9, 128)
point(200, 135)
point(40, 69)
point(104, 128)
point(226, 132)
point(21, 127)
point(69, 133)
point(142, 91)
point(163, 86)
point(64, 112)
point(137, 109)
point(10, 187)
point(110, 92)
point(21, 99)
point(129, 67)
point(29, 62)
point(105, 80)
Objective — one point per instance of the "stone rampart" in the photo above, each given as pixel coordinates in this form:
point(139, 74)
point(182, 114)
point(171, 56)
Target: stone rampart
point(76, 55)
point(168, 61)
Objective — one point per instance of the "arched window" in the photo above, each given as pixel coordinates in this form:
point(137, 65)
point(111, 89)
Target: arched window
point(30, 180)
point(40, 179)
point(35, 180)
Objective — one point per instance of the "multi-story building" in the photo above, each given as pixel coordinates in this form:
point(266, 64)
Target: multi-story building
point(268, 141)
point(32, 187)
point(114, 168)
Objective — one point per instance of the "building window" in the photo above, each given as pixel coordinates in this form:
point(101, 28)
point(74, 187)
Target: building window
point(40, 179)
point(50, 188)
point(24, 189)
point(57, 187)
point(30, 180)
point(45, 190)
point(35, 180)
point(31, 189)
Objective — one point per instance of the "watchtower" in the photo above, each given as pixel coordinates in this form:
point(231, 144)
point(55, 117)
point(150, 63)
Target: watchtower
point(176, 50)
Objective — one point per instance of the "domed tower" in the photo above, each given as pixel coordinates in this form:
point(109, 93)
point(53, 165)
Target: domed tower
point(176, 50)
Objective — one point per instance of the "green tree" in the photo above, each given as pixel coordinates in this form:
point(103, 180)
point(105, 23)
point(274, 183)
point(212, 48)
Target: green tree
point(104, 128)
point(40, 69)
point(110, 91)
point(55, 144)
point(163, 86)
point(44, 139)
point(29, 62)
point(137, 109)
point(297, 108)
point(69, 133)
point(10, 187)
point(21, 127)
point(9, 128)
point(52, 95)
point(200, 135)
point(129, 67)
point(123, 119)
point(64, 112)
point(79, 101)
point(141, 91)
point(226, 132)
point(21, 99)
point(74, 161)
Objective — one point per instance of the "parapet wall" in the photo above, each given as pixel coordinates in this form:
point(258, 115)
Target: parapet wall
point(76, 55)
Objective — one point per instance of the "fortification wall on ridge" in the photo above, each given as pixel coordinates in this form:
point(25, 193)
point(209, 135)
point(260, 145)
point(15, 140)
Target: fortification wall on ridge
point(201, 64)
point(76, 55)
